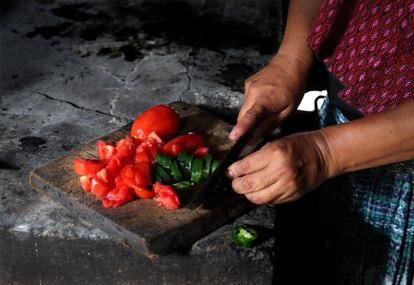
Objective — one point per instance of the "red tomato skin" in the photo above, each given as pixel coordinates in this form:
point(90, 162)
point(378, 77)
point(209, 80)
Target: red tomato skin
point(99, 188)
point(85, 182)
point(87, 166)
point(136, 175)
point(114, 165)
point(154, 136)
point(126, 149)
point(107, 203)
point(117, 197)
point(201, 152)
point(188, 143)
point(146, 152)
point(161, 119)
point(105, 150)
point(170, 202)
point(143, 156)
point(166, 196)
point(144, 193)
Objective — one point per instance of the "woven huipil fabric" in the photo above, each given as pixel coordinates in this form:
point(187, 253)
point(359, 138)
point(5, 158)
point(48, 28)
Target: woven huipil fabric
point(369, 46)
point(366, 221)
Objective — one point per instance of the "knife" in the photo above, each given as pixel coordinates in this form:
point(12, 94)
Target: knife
point(203, 191)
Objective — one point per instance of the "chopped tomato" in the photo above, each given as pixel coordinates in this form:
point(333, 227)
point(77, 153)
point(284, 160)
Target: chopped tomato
point(87, 166)
point(125, 149)
point(144, 193)
point(136, 175)
point(176, 149)
point(201, 152)
point(103, 175)
point(85, 182)
point(146, 152)
point(107, 203)
point(143, 155)
point(161, 119)
point(114, 165)
point(189, 143)
point(120, 193)
point(166, 196)
point(156, 138)
point(99, 187)
point(105, 150)
point(118, 197)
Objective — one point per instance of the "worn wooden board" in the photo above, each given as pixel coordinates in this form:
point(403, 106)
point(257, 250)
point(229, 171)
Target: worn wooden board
point(141, 224)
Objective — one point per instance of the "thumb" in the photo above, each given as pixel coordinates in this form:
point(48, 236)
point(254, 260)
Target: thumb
point(248, 121)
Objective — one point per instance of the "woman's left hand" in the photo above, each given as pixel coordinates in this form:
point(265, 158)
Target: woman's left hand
point(283, 170)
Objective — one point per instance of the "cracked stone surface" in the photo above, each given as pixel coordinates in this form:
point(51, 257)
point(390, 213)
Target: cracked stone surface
point(71, 71)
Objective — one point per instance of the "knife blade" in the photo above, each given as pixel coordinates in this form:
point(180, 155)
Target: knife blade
point(204, 190)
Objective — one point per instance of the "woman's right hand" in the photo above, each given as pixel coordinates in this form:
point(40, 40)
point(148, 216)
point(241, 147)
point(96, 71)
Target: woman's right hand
point(271, 95)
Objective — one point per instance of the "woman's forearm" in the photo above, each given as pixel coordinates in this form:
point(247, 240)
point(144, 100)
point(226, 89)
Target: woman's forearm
point(372, 141)
point(298, 26)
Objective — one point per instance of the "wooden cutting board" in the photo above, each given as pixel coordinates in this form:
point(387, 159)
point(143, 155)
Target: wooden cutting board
point(141, 224)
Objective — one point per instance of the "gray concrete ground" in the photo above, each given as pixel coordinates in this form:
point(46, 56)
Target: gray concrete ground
point(71, 71)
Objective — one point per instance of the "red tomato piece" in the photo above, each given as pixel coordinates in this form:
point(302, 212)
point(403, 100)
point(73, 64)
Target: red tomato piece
point(105, 150)
point(118, 197)
point(189, 143)
point(136, 175)
point(143, 155)
point(144, 193)
point(85, 183)
point(161, 119)
point(119, 182)
point(177, 148)
point(87, 166)
point(168, 201)
point(146, 152)
point(120, 194)
point(108, 203)
point(114, 165)
point(126, 149)
point(166, 196)
point(104, 175)
point(157, 139)
point(201, 152)
point(99, 187)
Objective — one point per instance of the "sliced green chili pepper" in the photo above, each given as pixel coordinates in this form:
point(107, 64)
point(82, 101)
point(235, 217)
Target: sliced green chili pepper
point(183, 185)
point(164, 160)
point(175, 172)
point(196, 169)
point(162, 175)
point(206, 165)
point(244, 236)
point(185, 162)
point(214, 165)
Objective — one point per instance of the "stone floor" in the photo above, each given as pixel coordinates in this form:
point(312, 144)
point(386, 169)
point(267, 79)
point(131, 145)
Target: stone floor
point(71, 71)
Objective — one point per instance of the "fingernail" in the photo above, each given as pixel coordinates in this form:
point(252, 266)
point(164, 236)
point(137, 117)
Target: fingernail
point(229, 173)
point(233, 134)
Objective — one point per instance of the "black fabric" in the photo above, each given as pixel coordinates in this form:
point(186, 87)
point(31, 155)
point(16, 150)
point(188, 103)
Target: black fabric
point(334, 86)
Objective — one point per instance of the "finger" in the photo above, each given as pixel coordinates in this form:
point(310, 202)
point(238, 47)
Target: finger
point(281, 191)
point(249, 164)
point(264, 196)
point(251, 118)
point(254, 182)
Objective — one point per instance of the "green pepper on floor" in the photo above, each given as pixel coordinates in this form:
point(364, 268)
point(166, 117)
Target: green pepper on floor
point(244, 236)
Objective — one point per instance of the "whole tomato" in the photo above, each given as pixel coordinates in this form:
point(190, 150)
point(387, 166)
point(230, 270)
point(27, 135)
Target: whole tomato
point(161, 119)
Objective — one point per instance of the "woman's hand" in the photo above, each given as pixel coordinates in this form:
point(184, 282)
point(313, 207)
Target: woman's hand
point(283, 170)
point(272, 94)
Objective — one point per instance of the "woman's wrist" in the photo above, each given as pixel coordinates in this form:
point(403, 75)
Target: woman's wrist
point(327, 158)
point(298, 67)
